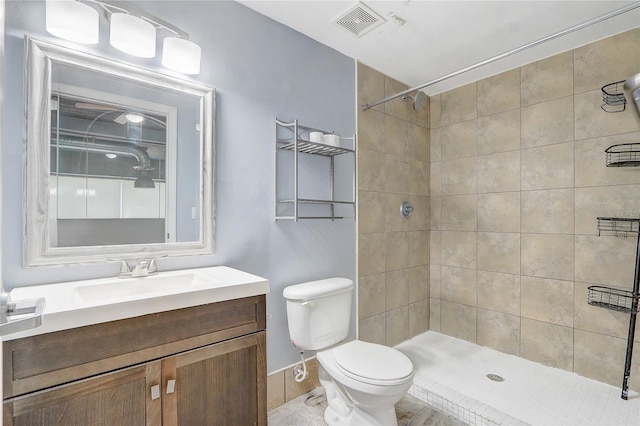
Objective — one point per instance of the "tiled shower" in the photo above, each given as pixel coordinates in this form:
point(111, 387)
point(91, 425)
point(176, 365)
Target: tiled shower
point(507, 176)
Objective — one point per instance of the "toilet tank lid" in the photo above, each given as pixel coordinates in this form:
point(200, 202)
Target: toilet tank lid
point(319, 288)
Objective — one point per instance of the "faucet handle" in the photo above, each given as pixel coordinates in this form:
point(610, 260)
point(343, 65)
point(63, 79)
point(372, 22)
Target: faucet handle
point(153, 264)
point(124, 266)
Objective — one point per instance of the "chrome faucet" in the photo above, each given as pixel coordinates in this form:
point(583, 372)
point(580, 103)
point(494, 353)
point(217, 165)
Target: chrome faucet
point(143, 268)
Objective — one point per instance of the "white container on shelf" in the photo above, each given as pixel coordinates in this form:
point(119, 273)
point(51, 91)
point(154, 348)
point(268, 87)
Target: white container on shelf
point(316, 137)
point(331, 139)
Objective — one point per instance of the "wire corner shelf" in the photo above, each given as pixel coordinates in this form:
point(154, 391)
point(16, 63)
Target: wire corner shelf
point(613, 97)
point(618, 226)
point(623, 155)
point(615, 299)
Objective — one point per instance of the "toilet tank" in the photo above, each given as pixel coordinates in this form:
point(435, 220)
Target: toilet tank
point(319, 312)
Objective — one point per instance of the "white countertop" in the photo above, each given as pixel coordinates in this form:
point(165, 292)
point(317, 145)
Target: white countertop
point(81, 303)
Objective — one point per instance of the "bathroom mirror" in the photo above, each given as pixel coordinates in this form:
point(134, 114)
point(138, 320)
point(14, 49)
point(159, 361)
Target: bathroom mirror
point(118, 160)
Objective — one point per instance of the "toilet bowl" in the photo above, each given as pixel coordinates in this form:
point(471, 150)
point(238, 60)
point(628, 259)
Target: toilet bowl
point(363, 382)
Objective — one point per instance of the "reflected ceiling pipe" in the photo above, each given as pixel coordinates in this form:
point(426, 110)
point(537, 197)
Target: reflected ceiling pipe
point(131, 31)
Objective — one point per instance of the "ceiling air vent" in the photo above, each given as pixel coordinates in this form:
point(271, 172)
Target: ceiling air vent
point(359, 20)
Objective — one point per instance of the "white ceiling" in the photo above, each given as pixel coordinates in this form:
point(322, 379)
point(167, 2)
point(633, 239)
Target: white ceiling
point(424, 40)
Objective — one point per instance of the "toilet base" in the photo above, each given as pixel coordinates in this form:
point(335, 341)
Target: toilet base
point(341, 411)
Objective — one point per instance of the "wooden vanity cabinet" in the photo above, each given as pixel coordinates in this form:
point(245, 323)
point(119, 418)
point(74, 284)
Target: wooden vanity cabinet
point(207, 367)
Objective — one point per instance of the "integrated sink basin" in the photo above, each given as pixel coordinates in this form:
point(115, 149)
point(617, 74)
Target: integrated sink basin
point(135, 287)
point(80, 303)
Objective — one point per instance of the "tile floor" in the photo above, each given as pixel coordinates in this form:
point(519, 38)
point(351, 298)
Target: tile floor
point(308, 410)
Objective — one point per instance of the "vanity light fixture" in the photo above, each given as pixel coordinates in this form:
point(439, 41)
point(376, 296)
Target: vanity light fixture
point(132, 35)
point(131, 31)
point(72, 20)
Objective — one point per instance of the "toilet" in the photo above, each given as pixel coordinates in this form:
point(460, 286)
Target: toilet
point(363, 381)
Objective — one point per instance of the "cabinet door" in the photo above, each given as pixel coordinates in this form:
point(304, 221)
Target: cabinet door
point(221, 384)
point(119, 398)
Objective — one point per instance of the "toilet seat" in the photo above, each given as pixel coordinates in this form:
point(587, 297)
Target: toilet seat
point(372, 363)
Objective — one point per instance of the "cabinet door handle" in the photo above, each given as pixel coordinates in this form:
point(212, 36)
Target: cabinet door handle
point(155, 392)
point(171, 386)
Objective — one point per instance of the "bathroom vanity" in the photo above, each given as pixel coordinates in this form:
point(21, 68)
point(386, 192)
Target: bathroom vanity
point(200, 364)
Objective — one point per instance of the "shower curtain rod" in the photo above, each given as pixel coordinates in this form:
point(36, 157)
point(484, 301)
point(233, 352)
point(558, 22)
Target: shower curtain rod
point(577, 27)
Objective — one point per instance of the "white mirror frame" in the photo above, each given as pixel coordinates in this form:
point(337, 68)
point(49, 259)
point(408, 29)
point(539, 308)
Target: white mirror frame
point(37, 250)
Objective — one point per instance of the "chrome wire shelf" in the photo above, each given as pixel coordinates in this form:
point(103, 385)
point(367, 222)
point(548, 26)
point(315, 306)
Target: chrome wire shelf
point(618, 226)
point(308, 147)
point(615, 299)
point(613, 97)
point(623, 155)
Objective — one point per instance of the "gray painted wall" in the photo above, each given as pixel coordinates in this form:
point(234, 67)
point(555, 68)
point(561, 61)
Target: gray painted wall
point(261, 70)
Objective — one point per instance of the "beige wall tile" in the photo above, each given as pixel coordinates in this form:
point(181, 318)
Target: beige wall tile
point(547, 343)
point(459, 104)
point(396, 136)
point(604, 201)
point(372, 329)
point(499, 252)
point(547, 256)
point(590, 162)
point(396, 251)
point(435, 111)
point(435, 247)
point(371, 131)
point(435, 179)
point(499, 212)
point(547, 167)
point(419, 220)
point(605, 260)
point(605, 61)
point(395, 221)
point(458, 321)
point(396, 107)
point(396, 289)
point(499, 132)
point(499, 93)
point(370, 86)
point(460, 285)
point(371, 295)
point(599, 320)
point(547, 300)
point(435, 205)
point(547, 123)
point(418, 283)
point(499, 292)
point(275, 390)
point(294, 389)
point(460, 212)
point(435, 281)
point(418, 317)
point(419, 177)
point(499, 331)
point(371, 170)
point(499, 172)
point(547, 79)
point(460, 140)
point(602, 358)
point(435, 141)
point(419, 143)
point(418, 248)
point(371, 212)
point(592, 122)
point(459, 176)
point(459, 249)
point(549, 211)
point(396, 174)
point(371, 258)
point(397, 322)
point(434, 314)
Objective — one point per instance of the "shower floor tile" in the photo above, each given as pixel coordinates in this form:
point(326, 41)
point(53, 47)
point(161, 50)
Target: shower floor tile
point(308, 410)
point(451, 375)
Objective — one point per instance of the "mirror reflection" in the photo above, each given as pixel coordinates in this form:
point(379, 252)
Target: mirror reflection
point(102, 159)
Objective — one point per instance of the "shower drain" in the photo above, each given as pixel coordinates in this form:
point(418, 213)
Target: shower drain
point(495, 378)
